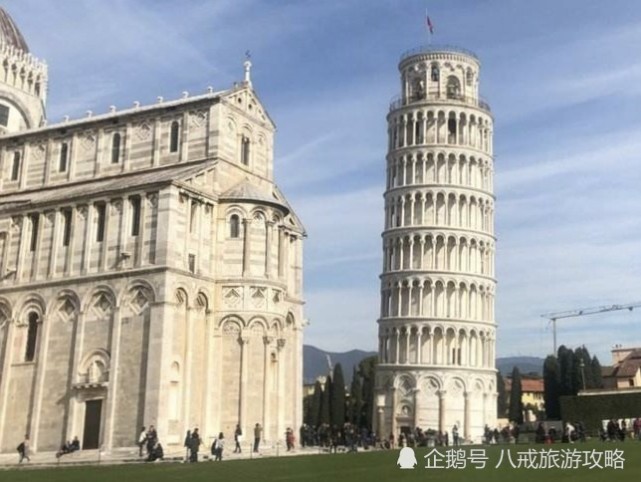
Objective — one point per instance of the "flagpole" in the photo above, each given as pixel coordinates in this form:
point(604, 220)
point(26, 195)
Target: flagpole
point(429, 31)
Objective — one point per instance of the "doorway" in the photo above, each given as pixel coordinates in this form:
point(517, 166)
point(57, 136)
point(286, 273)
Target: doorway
point(93, 413)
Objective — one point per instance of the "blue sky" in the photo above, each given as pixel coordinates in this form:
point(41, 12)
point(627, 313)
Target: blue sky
point(563, 80)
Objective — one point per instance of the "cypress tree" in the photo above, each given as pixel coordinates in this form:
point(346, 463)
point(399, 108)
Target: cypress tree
point(516, 402)
point(501, 403)
point(551, 388)
point(566, 371)
point(367, 369)
point(325, 411)
point(355, 399)
point(315, 405)
point(596, 372)
point(337, 404)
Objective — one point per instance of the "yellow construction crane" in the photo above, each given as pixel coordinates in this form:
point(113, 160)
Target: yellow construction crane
point(553, 317)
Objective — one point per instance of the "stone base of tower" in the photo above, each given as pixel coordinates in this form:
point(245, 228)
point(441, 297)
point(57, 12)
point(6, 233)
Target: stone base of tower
point(434, 399)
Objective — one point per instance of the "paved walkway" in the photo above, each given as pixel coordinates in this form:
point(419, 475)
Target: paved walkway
point(130, 456)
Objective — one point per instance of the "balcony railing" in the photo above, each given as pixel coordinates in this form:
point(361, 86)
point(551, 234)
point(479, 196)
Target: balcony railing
point(399, 101)
point(430, 49)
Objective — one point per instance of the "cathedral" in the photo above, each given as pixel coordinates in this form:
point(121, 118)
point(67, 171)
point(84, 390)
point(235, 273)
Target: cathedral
point(150, 268)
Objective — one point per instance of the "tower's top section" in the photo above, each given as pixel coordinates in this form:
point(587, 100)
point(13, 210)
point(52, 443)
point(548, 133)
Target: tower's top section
point(10, 33)
point(439, 73)
point(23, 81)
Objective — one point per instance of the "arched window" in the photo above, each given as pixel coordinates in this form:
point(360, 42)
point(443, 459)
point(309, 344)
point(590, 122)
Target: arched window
point(244, 150)
point(234, 226)
point(115, 149)
point(64, 152)
point(469, 77)
point(15, 167)
point(435, 73)
point(32, 337)
point(453, 87)
point(173, 136)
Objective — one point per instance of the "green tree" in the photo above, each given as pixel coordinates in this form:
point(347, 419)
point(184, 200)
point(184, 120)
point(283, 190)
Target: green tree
point(551, 388)
point(596, 372)
point(355, 398)
point(315, 405)
point(501, 402)
point(367, 369)
point(516, 402)
point(337, 404)
point(567, 371)
point(325, 410)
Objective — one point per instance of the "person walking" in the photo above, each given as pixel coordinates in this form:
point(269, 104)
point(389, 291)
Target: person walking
point(187, 445)
point(194, 446)
point(23, 449)
point(238, 437)
point(218, 446)
point(142, 439)
point(258, 430)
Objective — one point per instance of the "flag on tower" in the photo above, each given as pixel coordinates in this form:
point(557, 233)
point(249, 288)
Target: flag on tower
point(430, 27)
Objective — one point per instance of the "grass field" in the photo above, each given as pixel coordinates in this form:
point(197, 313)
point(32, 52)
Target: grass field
point(371, 467)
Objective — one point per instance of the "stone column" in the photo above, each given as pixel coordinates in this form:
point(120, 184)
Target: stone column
point(242, 409)
point(41, 367)
point(267, 342)
point(466, 423)
point(419, 348)
point(280, 344)
point(72, 404)
point(394, 423)
point(187, 371)
point(140, 242)
point(36, 253)
point(112, 394)
point(5, 377)
point(68, 266)
point(441, 410)
point(86, 255)
point(55, 242)
point(397, 346)
point(281, 251)
point(268, 248)
point(246, 247)
point(104, 248)
point(417, 400)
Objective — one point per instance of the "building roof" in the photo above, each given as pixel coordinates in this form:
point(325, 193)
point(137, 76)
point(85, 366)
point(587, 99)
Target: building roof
point(528, 385)
point(628, 366)
point(104, 186)
point(10, 33)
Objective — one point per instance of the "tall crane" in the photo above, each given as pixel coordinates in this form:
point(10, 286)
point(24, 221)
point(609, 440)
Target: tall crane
point(553, 317)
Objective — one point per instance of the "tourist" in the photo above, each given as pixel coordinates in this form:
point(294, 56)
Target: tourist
point(258, 430)
point(152, 438)
point(455, 439)
point(238, 437)
point(187, 444)
point(289, 439)
point(142, 438)
point(75, 444)
point(194, 446)
point(23, 450)
point(157, 453)
point(217, 447)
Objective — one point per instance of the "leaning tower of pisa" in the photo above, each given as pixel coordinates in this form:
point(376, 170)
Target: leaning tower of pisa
point(436, 328)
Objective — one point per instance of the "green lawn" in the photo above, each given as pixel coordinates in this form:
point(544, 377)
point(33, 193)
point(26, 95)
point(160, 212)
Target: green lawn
point(370, 467)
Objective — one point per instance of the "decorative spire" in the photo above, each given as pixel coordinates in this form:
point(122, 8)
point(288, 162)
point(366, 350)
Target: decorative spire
point(248, 66)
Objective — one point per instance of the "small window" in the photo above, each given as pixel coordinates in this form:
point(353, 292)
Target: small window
point(115, 149)
point(64, 152)
point(453, 87)
point(4, 115)
point(234, 226)
point(66, 234)
point(32, 337)
point(192, 263)
point(15, 167)
point(100, 222)
point(173, 136)
point(135, 215)
point(244, 151)
point(35, 221)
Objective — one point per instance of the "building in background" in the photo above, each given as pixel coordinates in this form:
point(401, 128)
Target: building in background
point(625, 371)
point(150, 268)
point(437, 329)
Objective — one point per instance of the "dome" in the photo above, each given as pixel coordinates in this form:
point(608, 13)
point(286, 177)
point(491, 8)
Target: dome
point(9, 32)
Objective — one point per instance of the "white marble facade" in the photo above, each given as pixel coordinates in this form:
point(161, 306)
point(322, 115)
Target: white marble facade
point(437, 329)
point(150, 268)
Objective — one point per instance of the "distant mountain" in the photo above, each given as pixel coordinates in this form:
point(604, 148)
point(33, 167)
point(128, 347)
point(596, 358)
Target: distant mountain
point(526, 364)
point(315, 362)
